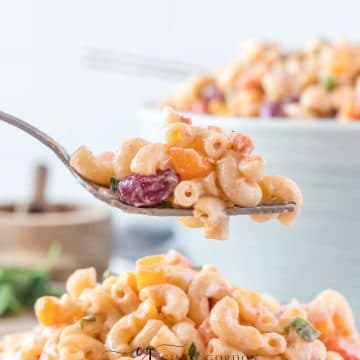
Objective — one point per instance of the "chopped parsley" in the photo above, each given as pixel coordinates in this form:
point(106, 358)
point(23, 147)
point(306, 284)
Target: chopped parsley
point(114, 183)
point(303, 328)
point(87, 318)
point(197, 267)
point(329, 83)
point(164, 205)
point(193, 352)
point(107, 273)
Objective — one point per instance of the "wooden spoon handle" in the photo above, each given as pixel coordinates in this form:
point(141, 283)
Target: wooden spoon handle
point(39, 186)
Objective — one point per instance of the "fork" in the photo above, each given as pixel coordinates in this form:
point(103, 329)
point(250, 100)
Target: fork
point(107, 196)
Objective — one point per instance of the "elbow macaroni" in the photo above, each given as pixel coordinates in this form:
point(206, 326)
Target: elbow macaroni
point(204, 169)
point(134, 314)
point(124, 157)
point(173, 301)
point(149, 159)
point(80, 280)
point(210, 211)
point(206, 285)
point(125, 296)
point(224, 321)
point(187, 193)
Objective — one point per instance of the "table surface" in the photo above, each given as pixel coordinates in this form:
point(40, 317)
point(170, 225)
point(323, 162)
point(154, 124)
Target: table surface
point(19, 323)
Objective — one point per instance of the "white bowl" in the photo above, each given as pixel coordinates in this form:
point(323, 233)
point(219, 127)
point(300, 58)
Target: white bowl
point(323, 248)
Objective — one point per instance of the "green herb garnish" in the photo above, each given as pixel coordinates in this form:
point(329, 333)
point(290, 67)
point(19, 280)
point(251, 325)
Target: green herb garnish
point(329, 83)
point(164, 205)
point(87, 318)
point(107, 273)
point(114, 183)
point(197, 267)
point(21, 287)
point(303, 328)
point(193, 352)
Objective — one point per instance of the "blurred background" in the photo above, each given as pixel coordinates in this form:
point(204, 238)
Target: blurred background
point(46, 79)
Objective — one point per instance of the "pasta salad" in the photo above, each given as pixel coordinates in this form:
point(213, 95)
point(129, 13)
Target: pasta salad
point(168, 309)
point(204, 169)
point(322, 80)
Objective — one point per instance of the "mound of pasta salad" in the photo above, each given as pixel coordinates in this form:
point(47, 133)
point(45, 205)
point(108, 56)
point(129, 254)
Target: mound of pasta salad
point(204, 169)
point(322, 80)
point(168, 309)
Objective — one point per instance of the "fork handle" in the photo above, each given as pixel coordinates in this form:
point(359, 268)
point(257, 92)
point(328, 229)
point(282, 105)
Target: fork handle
point(38, 134)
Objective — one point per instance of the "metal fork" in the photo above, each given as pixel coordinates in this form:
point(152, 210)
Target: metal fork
point(107, 196)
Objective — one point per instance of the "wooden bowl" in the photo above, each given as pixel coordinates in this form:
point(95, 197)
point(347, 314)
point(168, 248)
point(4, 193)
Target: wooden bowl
point(84, 233)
